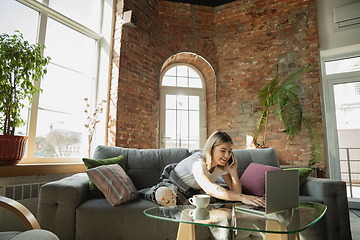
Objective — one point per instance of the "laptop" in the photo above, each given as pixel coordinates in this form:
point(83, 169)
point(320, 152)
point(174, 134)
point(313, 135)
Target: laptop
point(281, 193)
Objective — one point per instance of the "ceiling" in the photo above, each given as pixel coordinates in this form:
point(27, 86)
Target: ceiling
point(209, 3)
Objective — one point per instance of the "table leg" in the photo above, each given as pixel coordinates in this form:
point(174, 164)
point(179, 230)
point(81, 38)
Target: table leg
point(186, 231)
point(289, 222)
point(275, 225)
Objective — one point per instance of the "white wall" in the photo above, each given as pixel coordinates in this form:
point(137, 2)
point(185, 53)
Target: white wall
point(328, 38)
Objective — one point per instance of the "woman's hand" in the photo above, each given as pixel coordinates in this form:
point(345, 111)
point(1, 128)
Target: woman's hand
point(253, 200)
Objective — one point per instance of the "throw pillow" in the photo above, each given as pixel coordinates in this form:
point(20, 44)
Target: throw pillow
point(92, 163)
point(304, 173)
point(114, 183)
point(253, 179)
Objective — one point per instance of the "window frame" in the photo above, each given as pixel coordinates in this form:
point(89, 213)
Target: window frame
point(101, 69)
point(174, 90)
point(331, 138)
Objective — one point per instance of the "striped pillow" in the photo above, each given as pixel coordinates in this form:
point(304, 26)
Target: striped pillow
point(114, 183)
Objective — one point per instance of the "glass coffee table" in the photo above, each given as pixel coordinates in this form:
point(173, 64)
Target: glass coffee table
point(280, 225)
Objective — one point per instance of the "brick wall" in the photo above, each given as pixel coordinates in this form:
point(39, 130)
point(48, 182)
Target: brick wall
point(247, 43)
point(257, 40)
point(134, 117)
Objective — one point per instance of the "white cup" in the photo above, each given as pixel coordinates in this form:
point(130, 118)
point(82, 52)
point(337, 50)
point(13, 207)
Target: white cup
point(200, 200)
point(200, 214)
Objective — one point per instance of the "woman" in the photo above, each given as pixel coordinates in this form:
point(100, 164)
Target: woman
point(199, 172)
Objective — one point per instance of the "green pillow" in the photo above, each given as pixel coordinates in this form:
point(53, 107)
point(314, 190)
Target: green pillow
point(303, 174)
point(92, 163)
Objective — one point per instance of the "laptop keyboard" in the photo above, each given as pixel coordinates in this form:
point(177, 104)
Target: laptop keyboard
point(259, 208)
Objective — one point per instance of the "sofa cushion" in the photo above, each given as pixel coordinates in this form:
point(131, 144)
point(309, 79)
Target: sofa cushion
point(114, 183)
point(253, 179)
point(92, 163)
point(265, 156)
point(304, 173)
point(143, 166)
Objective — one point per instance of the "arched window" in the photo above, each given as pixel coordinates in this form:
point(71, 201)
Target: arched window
point(182, 108)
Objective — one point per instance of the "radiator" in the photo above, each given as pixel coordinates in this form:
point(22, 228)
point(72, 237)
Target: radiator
point(26, 191)
point(21, 192)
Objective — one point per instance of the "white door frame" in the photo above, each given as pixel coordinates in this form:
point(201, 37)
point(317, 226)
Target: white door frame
point(330, 133)
point(201, 92)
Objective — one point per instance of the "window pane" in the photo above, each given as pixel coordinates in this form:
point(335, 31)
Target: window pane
point(171, 72)
point(182, 82)
point(194, 127)
point(62, 113)
point(342, 66)
point(195, 83)
point(183, 102)
point(170, 101)
point(89, 15)
point(348, 128)
point(193, 73)
point(26, 24)
point(182, 71)
point(170, 144)
point(178, 76)
point(69, 48)
point(346, 99)
point(194, 145)
point(184, 144)
point(60, 126)
point(194, 102)
point(58, 135)
point(169, 81)
point(182, 127)
point(64, 90)
point(170, 123)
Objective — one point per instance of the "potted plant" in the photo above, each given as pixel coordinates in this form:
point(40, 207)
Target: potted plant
point(282, 100)
point(21, 64)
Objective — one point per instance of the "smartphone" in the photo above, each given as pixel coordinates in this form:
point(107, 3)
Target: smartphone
point(231, 161)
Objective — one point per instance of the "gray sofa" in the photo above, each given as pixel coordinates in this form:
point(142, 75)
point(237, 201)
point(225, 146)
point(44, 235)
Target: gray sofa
point(66, 210)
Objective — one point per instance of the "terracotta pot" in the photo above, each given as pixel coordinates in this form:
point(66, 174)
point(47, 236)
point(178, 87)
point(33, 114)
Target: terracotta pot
point(11, 149)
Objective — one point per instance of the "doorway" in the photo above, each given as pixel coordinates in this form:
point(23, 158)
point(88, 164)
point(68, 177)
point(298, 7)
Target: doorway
point(342, 115)
point(182, 108)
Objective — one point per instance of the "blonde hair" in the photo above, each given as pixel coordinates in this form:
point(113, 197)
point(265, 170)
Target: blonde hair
point(213, 141)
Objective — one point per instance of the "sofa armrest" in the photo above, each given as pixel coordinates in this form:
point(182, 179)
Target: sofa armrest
point(333, 194)
point(58, 201)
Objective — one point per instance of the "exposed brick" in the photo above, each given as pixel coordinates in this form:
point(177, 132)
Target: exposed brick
point(247, 43)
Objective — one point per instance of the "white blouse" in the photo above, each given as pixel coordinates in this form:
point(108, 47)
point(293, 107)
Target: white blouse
point(195, 163)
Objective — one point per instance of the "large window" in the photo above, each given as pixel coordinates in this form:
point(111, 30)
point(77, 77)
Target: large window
point(341, 81)
point(73, 33)
point(182, 103)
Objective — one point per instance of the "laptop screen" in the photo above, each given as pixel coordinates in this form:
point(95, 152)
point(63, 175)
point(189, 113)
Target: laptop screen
point(281, 190)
